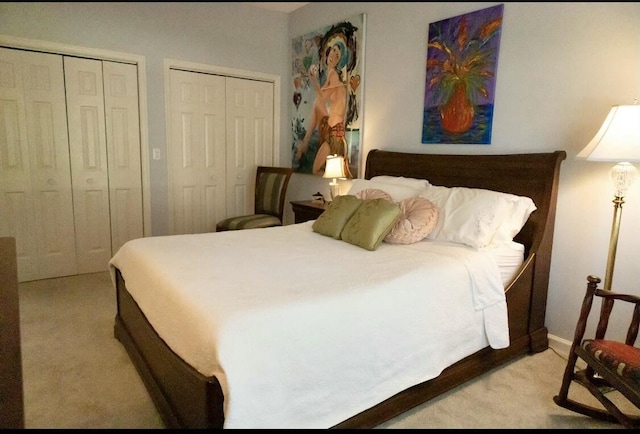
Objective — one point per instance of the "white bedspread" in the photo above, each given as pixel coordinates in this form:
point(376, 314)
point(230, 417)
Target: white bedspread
point(304, 331)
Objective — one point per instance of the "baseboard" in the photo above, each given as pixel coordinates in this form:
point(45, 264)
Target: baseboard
point(559, 345)
point(562, 348)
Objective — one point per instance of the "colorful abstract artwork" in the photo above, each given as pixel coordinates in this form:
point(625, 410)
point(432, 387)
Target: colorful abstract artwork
point(462, 58)
point(327, 96)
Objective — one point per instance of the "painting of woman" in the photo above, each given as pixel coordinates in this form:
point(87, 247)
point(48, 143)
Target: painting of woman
point(328, 113)
point(334, 108)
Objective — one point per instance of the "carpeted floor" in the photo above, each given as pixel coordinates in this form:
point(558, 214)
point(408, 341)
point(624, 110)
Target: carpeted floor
point(77, 375)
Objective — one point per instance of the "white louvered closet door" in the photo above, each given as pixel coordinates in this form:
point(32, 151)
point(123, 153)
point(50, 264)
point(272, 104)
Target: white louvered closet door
point(35, 185)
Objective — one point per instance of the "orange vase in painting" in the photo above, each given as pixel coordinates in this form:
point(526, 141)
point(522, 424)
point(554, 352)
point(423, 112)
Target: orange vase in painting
point(456, 116)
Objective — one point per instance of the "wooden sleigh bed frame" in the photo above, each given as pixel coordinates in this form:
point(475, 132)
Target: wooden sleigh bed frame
point(187, 399)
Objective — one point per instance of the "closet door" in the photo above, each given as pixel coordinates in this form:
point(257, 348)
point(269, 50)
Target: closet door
point(70, 166)
point(104, 130)
point(35, 184)
point(196, 152)
point(89, 171)
point(123, 152)
point(249, 108)
point(221, 129)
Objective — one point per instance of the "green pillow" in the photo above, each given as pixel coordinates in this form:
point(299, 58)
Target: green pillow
point(332, 220)
point(371, 222)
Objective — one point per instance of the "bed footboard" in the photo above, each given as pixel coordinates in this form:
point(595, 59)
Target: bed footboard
point(184, 397)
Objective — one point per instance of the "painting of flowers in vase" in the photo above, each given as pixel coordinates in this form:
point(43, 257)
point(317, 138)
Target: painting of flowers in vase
point(462, 58)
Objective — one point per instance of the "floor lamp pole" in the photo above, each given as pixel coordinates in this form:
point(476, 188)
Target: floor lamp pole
point(613, 243)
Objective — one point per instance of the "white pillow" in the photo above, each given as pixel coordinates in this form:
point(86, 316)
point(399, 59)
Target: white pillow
point(522, 209)
point(397, 192)
point(477, 217)
point(409, 182)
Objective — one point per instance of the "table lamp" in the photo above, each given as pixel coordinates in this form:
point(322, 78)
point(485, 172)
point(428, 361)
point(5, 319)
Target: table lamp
point(617, 140)
point(334, 168)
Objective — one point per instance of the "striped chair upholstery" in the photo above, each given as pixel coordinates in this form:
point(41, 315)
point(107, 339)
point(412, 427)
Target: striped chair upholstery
point(270, 192)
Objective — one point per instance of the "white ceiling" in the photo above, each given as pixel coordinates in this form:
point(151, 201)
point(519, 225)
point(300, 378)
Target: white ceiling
point(279, 6)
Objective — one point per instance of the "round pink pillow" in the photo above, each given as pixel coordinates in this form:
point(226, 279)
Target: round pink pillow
point(373, 193)
point(419, 217)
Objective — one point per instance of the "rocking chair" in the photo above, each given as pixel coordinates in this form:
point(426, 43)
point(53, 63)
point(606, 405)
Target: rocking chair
point(610, 365)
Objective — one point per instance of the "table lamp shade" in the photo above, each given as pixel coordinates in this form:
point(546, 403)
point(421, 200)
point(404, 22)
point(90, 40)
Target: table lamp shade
point(334, 167)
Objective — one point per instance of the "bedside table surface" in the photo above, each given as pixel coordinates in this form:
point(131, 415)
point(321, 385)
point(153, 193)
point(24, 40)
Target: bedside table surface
point(310, 203)
point(305, 210)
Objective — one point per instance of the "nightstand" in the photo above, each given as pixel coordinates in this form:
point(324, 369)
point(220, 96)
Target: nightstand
point(305, 210)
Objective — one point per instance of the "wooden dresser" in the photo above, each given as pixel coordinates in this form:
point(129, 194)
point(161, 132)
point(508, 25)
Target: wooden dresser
point(11, 392)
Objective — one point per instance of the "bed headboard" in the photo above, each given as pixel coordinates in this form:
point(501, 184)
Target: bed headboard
point(534, 175)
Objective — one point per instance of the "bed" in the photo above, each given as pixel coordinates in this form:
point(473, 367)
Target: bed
point(287, 363)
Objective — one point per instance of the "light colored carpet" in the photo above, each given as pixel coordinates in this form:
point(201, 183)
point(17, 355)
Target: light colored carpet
point(77, 375)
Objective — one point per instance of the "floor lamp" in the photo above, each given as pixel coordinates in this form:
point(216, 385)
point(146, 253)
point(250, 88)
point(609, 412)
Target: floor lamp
point(617, 140)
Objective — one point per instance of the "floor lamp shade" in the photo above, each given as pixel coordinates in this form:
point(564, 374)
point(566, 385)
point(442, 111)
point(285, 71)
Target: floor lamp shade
point(618, 140)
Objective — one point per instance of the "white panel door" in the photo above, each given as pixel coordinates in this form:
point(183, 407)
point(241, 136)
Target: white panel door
point(49, 158)
point(17, 217)
point(249, 108)
point(196, 152)
point(221, 130)
point(89, 171)
point(70, 161)
point(35, 185)
point(123, 152)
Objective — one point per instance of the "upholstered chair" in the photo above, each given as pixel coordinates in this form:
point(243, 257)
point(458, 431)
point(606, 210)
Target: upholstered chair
point(270, 192)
